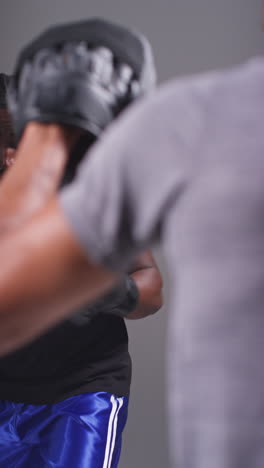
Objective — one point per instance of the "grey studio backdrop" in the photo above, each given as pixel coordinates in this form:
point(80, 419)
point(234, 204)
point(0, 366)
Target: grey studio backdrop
point(188, 36)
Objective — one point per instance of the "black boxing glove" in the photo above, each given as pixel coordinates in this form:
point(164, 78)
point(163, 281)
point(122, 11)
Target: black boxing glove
point(82, 74)
point(122, 300)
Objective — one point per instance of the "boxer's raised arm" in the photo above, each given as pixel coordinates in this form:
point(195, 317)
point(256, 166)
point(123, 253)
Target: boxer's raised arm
point(34, 177)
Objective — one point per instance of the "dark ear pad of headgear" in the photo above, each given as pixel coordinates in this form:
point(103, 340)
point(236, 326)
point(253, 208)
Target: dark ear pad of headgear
point(4, 81)
point(7, 138)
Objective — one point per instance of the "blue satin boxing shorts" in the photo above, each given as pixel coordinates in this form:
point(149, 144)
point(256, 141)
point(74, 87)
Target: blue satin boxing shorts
point(84, 431)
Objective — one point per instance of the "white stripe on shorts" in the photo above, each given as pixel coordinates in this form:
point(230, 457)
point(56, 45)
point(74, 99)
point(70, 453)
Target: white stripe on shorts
point(120, 401)
point(111, 431)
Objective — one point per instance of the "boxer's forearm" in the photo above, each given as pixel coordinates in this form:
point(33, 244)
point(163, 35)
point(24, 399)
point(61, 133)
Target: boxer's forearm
point(150, 293)
point(33, 179)
point(44, 276)
point(148, 280)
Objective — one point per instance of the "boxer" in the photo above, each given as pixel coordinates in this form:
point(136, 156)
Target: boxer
point(69, 389)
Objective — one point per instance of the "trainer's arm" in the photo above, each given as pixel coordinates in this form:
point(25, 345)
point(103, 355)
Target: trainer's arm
point(148, 279)
point(43, 277)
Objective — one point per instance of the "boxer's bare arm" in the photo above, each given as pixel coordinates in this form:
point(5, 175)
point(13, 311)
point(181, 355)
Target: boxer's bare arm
point(33, 179)
point(44, 273)
point(43, 277)
point(148, 279)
